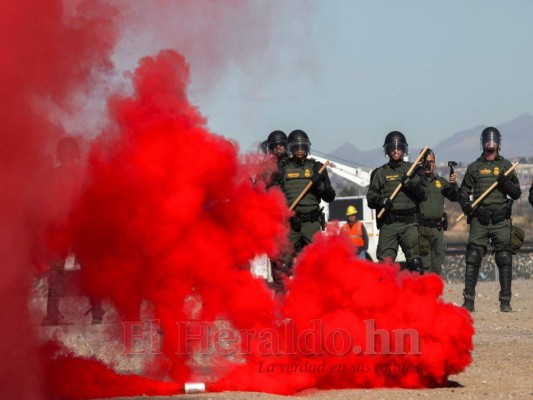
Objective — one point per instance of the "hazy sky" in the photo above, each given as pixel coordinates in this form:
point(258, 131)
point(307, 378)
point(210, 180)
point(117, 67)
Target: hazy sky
point(348, 70)
point(428, 68)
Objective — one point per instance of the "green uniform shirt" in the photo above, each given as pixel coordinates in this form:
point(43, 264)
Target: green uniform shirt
point(437, 188)
point(480, 175)
point(385, 180)
point(294, 179)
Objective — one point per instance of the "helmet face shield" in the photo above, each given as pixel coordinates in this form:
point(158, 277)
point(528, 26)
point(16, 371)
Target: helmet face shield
point(299, 146)
point(275, 144)
point(491, 139)
point(390, 147)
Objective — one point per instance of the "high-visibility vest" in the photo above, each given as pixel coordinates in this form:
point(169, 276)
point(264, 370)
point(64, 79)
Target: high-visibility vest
point(355, 233)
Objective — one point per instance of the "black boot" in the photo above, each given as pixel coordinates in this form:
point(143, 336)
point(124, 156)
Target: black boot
point(55, 290)
point(469, 294)
point(505, 266)
point(280, 271)
point(97, 311)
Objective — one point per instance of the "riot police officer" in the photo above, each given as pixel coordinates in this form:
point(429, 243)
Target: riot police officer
point(433, 220)
point(65, 184)
point(398, 226)
point(308, 219)
point(489, 221)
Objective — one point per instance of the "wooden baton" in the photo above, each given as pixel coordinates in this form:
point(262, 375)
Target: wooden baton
point(395, 193)
point(486, 192)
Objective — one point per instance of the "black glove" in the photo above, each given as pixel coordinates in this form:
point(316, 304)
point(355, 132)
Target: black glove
point(386, 204)
point(467, 208)
point(317, 178)
point(502, 180)
point(418, 168)
point(405, 180)
point(508, 187)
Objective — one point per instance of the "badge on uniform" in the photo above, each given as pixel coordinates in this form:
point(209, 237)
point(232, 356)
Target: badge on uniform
point(438, 184)
point(496, 171)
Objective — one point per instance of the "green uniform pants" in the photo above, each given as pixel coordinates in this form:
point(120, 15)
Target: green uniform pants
point(396, 234)
point(302, 238)
point(299, 239)
point(432, 249)
point(499, 235)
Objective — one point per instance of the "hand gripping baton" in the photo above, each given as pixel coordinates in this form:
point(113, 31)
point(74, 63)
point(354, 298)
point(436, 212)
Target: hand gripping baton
point(486, 193)
point(306, 189)
point(409, 173)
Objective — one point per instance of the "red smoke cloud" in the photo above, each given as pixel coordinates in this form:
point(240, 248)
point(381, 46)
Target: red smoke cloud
point(67, 374)
point(350, 323)
point(171, 211)
point(170, 214)
point(46, 55)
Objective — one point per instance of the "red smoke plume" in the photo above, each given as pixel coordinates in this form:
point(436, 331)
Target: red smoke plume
point(46, 55)
point(170, 216)
point(350, 323)
point(171, 212)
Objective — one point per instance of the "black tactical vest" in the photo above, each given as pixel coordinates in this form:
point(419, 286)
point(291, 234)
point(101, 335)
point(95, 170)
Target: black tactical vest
point(390, 178)
point(487, 173)
point(295, 179)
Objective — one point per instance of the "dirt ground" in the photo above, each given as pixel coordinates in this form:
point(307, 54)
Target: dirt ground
point(503, 357)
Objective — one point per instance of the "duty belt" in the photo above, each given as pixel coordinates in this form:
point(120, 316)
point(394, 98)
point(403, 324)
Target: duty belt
point(405, 218)
point(310, 217)
point(432, 223)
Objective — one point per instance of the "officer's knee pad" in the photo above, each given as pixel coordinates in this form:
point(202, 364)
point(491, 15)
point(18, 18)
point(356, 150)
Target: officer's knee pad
point(474, 254)
point(503, 258)
point(415, 264)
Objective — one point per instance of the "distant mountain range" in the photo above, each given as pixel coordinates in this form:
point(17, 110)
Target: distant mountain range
point(463, 146)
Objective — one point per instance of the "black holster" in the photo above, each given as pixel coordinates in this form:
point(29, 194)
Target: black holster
point(322, 220)
point(296, 223)
point(509, 209)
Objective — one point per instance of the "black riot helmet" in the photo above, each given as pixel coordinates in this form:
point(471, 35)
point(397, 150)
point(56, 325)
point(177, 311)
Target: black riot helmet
point(395, 140)
point(298, 140)
point(491, 135)
point(275, 139)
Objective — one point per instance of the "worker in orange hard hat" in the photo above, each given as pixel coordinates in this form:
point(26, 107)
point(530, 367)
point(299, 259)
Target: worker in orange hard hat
point(356, 231)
